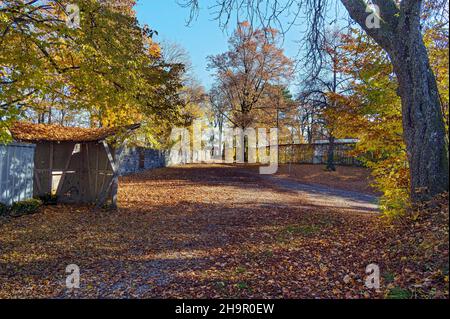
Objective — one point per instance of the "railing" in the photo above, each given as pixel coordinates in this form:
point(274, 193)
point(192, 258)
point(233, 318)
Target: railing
point(317, 154)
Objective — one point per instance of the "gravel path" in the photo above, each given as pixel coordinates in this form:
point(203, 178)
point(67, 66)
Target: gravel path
point(326, 196)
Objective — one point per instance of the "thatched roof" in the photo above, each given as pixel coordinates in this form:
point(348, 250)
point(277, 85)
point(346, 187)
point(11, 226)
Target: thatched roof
point(30, 132)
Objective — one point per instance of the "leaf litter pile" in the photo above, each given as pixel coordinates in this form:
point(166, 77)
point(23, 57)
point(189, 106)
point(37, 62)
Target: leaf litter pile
point(220, 232)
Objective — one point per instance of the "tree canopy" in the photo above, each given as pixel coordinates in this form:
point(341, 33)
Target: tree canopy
point(109, 66)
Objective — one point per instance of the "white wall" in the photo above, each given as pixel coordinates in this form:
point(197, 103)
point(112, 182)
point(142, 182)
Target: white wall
point(16, 172)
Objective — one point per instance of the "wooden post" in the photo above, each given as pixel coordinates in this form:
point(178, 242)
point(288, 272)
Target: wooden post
point(113, 184)
point(50, 169)
point(88, 168)
point(96, 170)
point(66, 168)
point(82, 173)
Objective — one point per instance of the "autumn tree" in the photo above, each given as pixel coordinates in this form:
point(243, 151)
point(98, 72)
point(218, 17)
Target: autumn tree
point(278, 109)
point(253, 62)
point(307, 121)
point(399, 33)
point(108, 66)
point(193, 97)
point(319, 90)
point(218, 103)
point(373, 111)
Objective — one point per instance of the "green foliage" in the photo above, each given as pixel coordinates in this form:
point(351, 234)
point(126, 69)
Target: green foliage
point(221, 284)
point(6, 117)
point(398, 293)
point(26, 207)
point(392, 177)
point(388, 277)
point(4, 209)
point(373, 112)
point(242, 285)
point(240, 270)
point(109, 67)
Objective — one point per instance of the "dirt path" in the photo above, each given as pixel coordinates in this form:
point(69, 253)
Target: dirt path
point(327, 196)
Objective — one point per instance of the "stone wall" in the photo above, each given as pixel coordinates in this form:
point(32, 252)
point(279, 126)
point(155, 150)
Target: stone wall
point(137, 159)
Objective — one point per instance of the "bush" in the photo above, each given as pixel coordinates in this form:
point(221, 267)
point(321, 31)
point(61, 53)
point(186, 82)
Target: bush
point(26, 207)
point(4, 209)
point(393, 179)
point(49, 199)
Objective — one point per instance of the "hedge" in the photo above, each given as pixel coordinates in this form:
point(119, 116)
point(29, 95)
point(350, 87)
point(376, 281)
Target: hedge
point(25, 207)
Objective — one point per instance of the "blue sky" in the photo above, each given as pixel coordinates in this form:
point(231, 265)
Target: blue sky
point(202, 38)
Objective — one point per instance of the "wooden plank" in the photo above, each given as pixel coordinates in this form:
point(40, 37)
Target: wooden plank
point(114, 182)
point(66, 168)
point(96, 171)
point(110, 156)
point(88, 168)
point(12, 181)
point(82, 173)
point(37, 183)
point(115, 178)
point(103, 196)
point(104, 173)
point(50, 175)
point(114, 189)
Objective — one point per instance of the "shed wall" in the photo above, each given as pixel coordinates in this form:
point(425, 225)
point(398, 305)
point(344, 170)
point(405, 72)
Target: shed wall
point(75, 172)
point(16, 172)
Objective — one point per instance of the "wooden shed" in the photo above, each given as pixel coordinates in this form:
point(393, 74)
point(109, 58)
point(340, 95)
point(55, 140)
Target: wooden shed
point(75, 164)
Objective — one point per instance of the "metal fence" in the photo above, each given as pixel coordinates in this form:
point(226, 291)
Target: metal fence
point(16, 172)
point(317, 154)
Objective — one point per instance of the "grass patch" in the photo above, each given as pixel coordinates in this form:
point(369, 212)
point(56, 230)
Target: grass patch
point(267, 254)
point(242, 285)
point(221, 284)
point(240, 270)
point(289, 232)
point(303, 230)
point(398, 293)
point(388, 277)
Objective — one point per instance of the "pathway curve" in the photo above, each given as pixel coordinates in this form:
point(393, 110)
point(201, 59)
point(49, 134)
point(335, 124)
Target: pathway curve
point(327, 196)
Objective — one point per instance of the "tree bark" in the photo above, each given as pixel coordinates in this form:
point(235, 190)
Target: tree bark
point(423, 124)
point(220, 153)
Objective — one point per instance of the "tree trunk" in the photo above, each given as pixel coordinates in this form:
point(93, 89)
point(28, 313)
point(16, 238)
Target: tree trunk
point(330, 158)
point(219, 154)
point(399, 33)
point(423, 125)
point(49, 120)
point(310, 139)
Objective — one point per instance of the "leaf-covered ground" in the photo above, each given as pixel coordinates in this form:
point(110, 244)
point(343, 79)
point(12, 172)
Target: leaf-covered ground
point(216, 231)
point(345, 177)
